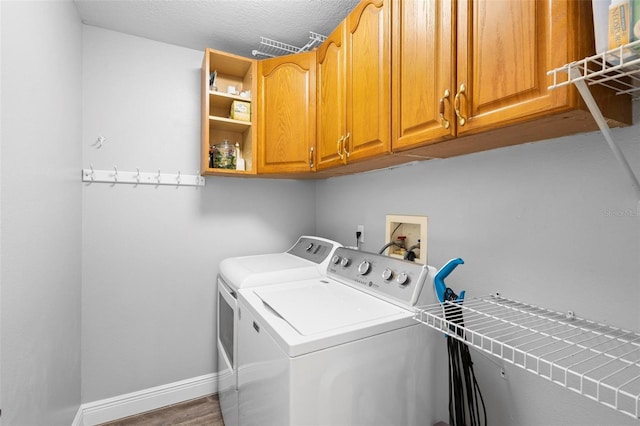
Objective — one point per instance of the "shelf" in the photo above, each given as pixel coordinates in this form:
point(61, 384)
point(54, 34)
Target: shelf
point(228, 124)
point(619, 70)
point(229, 98)
point(595, 360)
point(212, 171)
point(228, 64)
point(271, 48)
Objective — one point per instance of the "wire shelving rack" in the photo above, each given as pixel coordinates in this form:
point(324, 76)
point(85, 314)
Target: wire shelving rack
point(617, 69)
point(595, 360)
point(271, 48)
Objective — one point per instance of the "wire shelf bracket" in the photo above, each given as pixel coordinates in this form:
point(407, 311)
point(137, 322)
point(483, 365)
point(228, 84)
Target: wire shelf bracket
point(617, 69)
point(595, 360)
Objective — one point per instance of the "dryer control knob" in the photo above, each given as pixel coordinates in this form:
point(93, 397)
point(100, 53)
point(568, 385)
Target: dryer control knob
point(309, 247)
point(387, 274)
point(364, 267)
point(403, 278)
point(335, 259)
point(345, 261)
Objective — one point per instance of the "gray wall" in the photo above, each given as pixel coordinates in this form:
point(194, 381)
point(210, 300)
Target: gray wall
point(553, 223)
point(40, 212)
point(150, 254)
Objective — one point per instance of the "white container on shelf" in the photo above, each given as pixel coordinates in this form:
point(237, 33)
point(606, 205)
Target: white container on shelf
point(601, 24)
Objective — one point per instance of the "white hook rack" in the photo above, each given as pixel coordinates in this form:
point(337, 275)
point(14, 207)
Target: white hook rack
point(114, 176)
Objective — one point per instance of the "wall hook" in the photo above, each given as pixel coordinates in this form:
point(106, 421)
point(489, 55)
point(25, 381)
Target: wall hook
point(178, 177)
point(138, 175)
point(115, 174)
point(92, 172)
point(158, 177)
point(98, 143)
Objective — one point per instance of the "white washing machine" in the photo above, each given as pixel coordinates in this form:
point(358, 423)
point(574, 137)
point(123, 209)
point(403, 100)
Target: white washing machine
point(308, 258)
point(338, 350)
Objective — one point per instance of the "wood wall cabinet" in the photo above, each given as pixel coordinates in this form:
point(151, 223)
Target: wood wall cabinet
point(239, 72)
point(331, 77)
point(417, 79)
point(488, 82)
point(287, 114)
point(422, 72)
point(504, 52)
point(368, 80)
point(354, 79)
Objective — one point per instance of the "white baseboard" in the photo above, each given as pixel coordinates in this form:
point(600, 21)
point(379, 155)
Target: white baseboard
point(109, 409)
point(77, 420)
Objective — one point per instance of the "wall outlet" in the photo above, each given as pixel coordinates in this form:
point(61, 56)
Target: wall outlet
point(360, 229)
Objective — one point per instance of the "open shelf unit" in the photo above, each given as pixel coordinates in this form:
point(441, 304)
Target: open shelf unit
point(617, 69)
point(233, 74)
point(595, 360)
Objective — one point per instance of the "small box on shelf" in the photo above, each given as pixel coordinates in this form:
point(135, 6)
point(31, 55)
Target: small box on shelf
point(241, 111)
point(624, 28)
point(617, 23)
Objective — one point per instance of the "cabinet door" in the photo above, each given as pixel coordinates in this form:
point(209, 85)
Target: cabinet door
point(368, 80)
point(287, 118)
point(504, 51)
point(331, 100)
point(423, 72)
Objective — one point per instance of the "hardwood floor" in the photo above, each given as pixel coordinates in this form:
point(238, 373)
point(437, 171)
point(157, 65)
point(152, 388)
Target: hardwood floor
point(197, 412)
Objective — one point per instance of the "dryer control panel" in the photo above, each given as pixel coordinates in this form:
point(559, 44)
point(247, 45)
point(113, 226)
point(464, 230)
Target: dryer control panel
point(398, 281)
point(313, 249)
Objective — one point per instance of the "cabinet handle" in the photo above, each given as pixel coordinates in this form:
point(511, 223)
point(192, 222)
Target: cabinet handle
point(311, 158)
point(341, 147)
point(346, 144)
point(456, 104)
point(445, 123)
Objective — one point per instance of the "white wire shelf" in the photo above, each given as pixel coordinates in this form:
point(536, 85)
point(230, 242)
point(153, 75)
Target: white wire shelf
point(271, 48)
point(617, 69)
point(595, 360)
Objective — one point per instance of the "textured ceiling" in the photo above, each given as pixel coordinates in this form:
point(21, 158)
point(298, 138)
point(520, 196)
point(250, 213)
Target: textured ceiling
point(233, 26)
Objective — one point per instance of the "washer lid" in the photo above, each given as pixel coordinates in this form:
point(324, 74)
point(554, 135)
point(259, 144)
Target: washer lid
point(322, 306)
point(251, 271)
point(308, 258)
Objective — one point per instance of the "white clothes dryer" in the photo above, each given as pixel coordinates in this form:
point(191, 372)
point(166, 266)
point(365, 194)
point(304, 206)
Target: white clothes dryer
point(338, 350)
point(308, 258)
